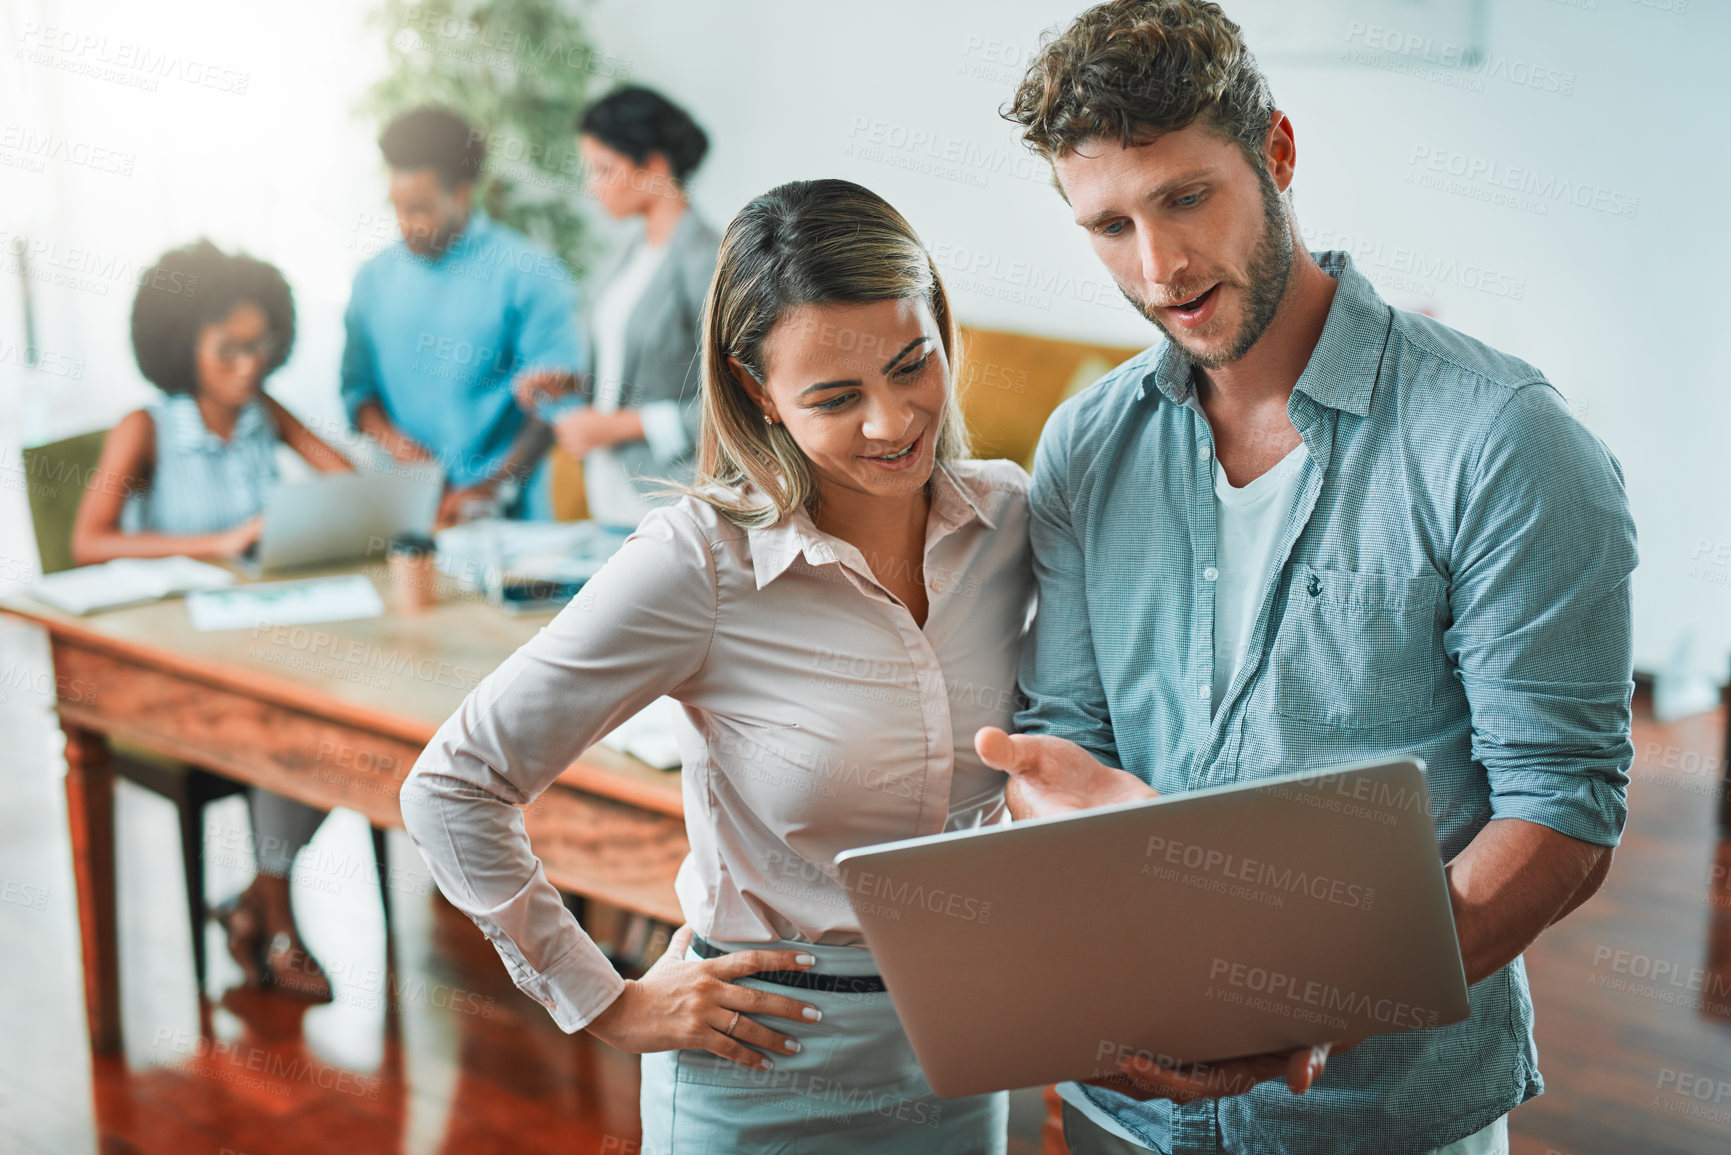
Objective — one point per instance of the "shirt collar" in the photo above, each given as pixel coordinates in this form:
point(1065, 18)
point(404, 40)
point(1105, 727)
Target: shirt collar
point(1342, 368)
point(956, 501)
point(184, 428)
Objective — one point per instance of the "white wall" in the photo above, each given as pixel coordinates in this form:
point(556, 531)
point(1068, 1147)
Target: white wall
point(203, 118)
point(1619, 311)
point(903, 96)
point(126, 129)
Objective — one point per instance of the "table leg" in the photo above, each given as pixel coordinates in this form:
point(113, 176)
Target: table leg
point(1725, 774)
point(90, 814)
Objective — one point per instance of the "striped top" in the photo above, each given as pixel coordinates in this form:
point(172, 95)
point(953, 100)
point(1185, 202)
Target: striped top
point(203, 483)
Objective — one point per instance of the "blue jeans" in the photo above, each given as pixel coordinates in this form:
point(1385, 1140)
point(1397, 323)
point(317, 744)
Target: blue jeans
point(1085, 1137)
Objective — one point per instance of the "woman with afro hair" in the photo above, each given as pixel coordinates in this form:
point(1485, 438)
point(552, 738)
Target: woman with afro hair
point(189, 475)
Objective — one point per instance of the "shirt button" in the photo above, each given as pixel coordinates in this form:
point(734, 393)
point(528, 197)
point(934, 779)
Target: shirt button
point(1210, 574)
point(1205, 691)
point(1202, 453)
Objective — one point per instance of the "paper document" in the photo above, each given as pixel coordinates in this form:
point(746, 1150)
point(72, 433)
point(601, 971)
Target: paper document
point(290, 603)
point(127, 581)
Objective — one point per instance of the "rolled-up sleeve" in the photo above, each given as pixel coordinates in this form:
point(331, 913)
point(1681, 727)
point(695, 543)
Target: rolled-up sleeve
point(1062, 692)
point(639, 629)
point(1541, 634)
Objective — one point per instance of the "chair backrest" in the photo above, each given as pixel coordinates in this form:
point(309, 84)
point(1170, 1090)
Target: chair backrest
point(1010, 383)
point(55, 477)
point(570, 499)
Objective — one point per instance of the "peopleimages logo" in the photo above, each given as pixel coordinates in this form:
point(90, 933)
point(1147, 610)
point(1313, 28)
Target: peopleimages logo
point(828, 1098)
point(1410, 47)
point(1414, 270)
point(42, 146)
point(86, 269)
point(1430, 165)
point(1279, 988)
point(865, 884)
point(122, 61)
point(1231, 868)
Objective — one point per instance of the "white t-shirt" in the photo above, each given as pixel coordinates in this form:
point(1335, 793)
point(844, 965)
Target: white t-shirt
point(611, 496)
point(1248, 521)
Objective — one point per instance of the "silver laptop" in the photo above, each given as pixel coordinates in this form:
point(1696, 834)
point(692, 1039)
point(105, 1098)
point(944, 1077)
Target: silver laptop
point(1229, 921)
point(338, 517)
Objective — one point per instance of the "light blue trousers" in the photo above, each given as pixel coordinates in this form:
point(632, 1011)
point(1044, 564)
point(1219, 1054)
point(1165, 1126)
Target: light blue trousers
point(280, 828)
point(853, 1087)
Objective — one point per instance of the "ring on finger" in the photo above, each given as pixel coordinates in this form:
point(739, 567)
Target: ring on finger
point(732, 1024)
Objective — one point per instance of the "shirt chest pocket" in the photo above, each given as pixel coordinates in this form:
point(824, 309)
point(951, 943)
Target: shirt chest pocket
point(1356, 649)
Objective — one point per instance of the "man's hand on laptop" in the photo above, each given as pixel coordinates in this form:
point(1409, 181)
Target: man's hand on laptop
point(1146, 1077)
point(1054, 775)
point(460, 505)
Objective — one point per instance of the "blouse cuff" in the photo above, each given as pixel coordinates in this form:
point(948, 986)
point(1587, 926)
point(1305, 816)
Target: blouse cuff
point(577, 988)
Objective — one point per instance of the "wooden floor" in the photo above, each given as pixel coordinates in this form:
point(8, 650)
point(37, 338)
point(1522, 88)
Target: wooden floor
point(440, 1054)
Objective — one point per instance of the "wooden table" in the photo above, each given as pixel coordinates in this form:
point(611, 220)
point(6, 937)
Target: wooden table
point(333, 714)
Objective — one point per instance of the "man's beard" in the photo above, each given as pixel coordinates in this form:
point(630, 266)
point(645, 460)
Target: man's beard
point(434, 242)
point(1270, 268)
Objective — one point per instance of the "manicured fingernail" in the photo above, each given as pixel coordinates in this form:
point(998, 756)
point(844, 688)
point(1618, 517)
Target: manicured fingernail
point(765, 1065)
point(812, 1013)
point(805, 960)
point(793, 1045)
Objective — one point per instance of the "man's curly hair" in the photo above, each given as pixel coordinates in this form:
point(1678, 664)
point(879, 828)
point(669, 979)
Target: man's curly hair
point(1133, 70)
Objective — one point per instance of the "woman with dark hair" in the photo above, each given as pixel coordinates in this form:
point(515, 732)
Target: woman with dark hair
point(636, 413)
point(189, 475)
point(838, 603)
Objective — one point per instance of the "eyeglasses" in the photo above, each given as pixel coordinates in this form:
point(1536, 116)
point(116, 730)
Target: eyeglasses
point(228, 352)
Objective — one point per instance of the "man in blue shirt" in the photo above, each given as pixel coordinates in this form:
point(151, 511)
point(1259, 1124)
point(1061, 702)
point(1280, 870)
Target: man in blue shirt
point(1307, 529)
point(441, 322)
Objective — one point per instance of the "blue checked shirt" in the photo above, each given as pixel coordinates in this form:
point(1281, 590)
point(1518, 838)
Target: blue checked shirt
point(1453, 582)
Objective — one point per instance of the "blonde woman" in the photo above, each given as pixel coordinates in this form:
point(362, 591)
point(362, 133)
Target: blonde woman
point(838, 605)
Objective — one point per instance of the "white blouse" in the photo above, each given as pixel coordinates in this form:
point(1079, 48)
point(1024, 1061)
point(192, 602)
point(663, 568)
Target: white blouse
point(822, 718)
point(611, 496)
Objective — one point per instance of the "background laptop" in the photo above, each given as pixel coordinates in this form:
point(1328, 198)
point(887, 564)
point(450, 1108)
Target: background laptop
point(1256, 917)
point(337, 517)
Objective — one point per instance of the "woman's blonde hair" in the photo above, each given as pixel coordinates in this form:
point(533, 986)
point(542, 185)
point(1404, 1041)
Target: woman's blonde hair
point(814, 242)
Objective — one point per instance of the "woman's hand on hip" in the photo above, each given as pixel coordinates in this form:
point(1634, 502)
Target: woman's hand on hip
point(682, 1005)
